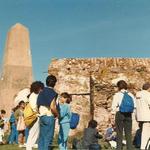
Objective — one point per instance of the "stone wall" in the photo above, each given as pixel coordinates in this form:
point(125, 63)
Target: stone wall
point(92, 83)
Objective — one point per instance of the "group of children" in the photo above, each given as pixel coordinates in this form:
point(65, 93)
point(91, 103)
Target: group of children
point(48, 106)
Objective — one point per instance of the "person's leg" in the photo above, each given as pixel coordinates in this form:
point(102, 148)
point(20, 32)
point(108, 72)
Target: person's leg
point(16, 135)
point(33, 135)
point(128, 131)
point(12, 134)
point(94, 147)
point(63, 136)
point(41, 134)
point(26, 134)
point(119, 129)
point(47, 125)
point(145, 134)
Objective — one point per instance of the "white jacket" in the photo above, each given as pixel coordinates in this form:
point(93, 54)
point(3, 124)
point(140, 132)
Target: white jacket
point(143, 105)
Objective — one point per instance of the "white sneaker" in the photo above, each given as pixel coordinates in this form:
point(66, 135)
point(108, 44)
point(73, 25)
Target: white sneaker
point(20, 145)
point(24, 145)
point(35, 146)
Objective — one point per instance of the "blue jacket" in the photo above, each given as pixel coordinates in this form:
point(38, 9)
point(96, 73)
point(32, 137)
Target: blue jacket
point(65, 113)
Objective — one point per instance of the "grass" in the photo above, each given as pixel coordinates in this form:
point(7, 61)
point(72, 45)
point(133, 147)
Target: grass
point(104, 145)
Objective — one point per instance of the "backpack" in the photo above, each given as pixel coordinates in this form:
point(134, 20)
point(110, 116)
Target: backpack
point(1, 123)
point(74, 121)
point(30, 116)
point(127, 104)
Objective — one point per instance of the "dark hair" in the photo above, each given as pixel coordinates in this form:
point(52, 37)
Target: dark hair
point(36, 86)
point(67, 96)
point(51, 81)
point(146, 86)
point(92, 124)
point(3, 111)
point(122, 85)
point(21, 102)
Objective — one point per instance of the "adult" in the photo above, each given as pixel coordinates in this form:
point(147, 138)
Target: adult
point(35, 89)
point(123, 120)
point(143, 113)
point(48, 111)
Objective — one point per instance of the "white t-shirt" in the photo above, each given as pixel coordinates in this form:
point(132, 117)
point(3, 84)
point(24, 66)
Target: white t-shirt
point(117, 99)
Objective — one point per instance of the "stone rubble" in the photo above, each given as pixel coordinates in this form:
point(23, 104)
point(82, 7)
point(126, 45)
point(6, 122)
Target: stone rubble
point(92, 82)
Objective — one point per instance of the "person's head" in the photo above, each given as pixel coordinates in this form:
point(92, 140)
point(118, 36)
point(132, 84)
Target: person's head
point(66, 98)
point(92, 124)
point(122, 85)
point(146, 86)
point(21, 104)
point(51, 81)
point(3, 113)
point(36, 87)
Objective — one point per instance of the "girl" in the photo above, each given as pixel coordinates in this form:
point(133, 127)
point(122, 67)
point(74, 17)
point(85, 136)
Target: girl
point(20, 123)
point(64, 120)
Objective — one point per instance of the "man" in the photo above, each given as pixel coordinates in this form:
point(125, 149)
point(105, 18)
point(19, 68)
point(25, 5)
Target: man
point(143, 113)
point(123, 119)
point(46, 103)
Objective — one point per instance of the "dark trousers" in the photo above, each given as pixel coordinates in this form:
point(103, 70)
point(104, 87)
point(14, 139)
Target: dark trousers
point(123, 121)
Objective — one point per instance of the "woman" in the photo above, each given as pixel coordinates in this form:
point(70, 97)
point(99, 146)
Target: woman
point(143, 113)
point(36, 87)
point(123, 118)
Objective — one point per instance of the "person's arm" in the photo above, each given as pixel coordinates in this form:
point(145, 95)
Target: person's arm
point(115, 104)
point(53, 108)
point(97, 135)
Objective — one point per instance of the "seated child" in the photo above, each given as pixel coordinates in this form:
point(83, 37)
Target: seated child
point(137, 137)
point(2, 124)
point(91, 136)
point(110, 135)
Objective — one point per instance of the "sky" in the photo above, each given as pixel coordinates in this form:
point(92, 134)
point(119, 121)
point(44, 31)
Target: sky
point(78, 28)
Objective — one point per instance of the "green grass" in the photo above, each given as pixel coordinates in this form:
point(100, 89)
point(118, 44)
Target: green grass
point(104, 145)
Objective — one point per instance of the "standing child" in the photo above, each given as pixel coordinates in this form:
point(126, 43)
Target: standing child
point(13, 137)
point(2, 123)
point(64, 120)
point(20, 123)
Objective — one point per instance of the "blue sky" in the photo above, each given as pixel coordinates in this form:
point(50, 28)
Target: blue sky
point(79, 28)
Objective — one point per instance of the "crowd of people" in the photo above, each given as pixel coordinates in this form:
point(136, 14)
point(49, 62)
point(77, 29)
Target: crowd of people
point(32, 123)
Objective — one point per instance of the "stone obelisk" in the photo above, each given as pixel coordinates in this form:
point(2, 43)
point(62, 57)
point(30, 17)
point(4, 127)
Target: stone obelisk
point(17, 65)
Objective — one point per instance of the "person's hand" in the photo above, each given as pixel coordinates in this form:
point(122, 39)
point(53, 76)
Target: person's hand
point(112, 117)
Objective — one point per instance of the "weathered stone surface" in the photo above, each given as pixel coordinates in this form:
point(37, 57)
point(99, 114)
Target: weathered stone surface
point(96, 78)
point(17, 66)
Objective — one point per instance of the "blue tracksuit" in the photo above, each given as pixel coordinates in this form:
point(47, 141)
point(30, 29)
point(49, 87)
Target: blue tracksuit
point(13, 137)
point(64, 121)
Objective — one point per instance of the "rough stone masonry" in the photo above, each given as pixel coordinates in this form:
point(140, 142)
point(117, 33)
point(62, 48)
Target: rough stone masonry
point(92, 83)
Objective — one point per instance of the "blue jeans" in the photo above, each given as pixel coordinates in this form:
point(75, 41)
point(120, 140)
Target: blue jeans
point(63, 135)
point(47, 126)
point(13, 137)
point(94, 147)
point(26, 133)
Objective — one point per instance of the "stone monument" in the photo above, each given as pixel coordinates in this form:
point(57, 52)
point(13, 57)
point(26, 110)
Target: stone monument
point(17, 66)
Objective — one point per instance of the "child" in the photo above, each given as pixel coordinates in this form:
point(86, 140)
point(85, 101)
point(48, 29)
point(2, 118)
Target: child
point(137, 138)
point(64, 120)
point(110, 135)
point(91, 136)
point(13, 137)
point(20, 123)
point(2, 123)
